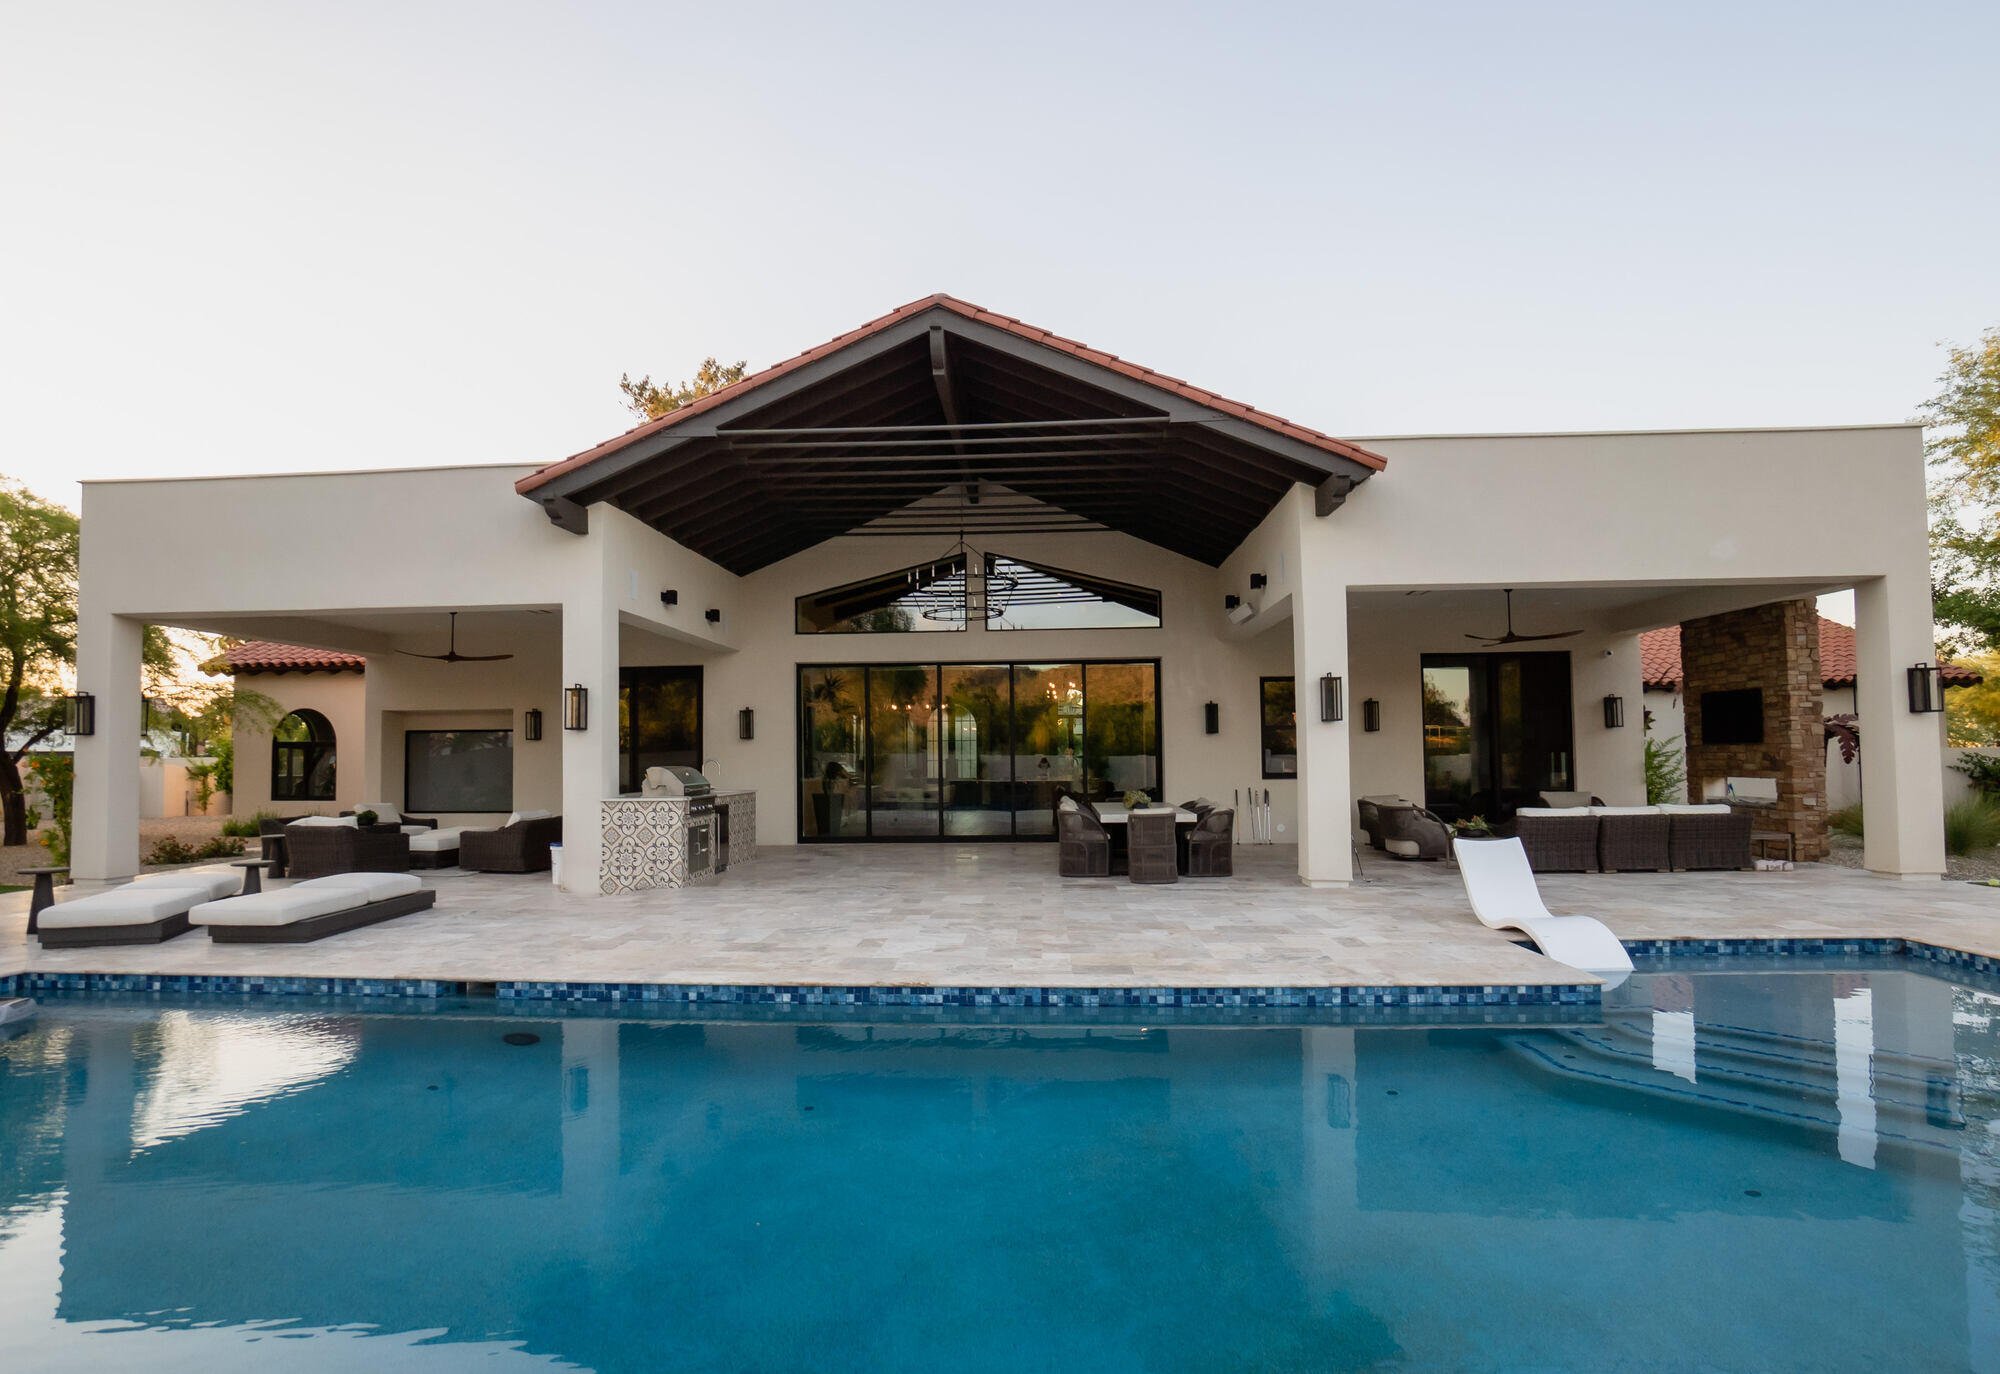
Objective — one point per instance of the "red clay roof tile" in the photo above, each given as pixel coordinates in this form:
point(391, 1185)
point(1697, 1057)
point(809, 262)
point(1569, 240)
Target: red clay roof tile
point(269, 656)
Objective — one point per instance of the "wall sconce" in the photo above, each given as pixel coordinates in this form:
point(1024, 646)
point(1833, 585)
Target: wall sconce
point(746, 724)
point(1211, 719)
point(1926, 688)
point(712, 616)
point(1614, 712)
point(1371, 715)
point(80, 714)
point(1331, 707)
point(1258, 582)
point(1233, 607)
point(576, 707)
point(670, 598)
point(532, 723)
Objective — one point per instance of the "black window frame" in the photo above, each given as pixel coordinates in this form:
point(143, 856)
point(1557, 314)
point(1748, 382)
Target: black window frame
point(310, 752)
point(1263, 749)
point(418, 806)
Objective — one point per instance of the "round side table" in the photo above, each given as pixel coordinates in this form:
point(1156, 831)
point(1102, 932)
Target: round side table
point(253, 874)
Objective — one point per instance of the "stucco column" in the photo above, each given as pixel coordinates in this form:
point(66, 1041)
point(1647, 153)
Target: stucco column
point(1326, 806)
point(104, 816)
point(589, 755)
point(1902, 778)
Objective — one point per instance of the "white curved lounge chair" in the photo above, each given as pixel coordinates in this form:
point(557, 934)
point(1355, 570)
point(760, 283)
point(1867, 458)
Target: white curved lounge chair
point(1502, 890)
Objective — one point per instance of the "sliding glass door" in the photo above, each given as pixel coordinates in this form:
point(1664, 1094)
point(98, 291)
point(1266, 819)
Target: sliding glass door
point(1497, 732)
point(969, 751)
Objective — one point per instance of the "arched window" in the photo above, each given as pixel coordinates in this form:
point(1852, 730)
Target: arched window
point(302, 758)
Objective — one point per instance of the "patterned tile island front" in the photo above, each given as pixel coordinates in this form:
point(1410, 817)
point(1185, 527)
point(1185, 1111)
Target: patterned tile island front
point(646, 840)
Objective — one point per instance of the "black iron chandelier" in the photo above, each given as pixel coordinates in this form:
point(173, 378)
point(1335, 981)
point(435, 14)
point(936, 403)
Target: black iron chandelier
point(960, 587)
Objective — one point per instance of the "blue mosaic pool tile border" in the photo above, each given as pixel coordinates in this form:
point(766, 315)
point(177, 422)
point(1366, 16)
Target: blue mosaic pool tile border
point(1084, 999)
point(1804, 945)
point(232, 984)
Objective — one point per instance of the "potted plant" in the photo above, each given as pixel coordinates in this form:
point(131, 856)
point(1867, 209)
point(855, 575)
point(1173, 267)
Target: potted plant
point(366, 819)
point(1135, 800)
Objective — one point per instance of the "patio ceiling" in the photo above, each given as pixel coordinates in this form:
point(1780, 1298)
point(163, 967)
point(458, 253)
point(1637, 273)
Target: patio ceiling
point(1040, 433)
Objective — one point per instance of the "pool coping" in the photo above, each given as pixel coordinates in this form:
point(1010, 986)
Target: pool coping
point(1332, 997)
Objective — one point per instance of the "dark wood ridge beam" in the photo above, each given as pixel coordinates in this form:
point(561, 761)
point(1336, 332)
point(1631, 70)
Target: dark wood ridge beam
point(947, 395)
point(861, 433)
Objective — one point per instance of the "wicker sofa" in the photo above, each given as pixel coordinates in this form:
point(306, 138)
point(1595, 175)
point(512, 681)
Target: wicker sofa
point(316, 846)
point(1559, 839)
point(1626, 839)
point(520, 846)
point(1713, 836)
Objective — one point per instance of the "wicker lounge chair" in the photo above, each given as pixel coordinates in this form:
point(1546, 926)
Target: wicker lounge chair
point(1151, 853)
point(1211, 845)
point(520, 846)
point(1084, 845)
point(1410, 832)
point(1370, 809)
point(1558, 840)
point(1631, 839)
point(1711, 836)
point(317, 846)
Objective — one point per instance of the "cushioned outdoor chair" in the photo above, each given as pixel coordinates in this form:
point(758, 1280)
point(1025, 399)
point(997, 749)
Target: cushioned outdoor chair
point(317, 846)
point(1631, 839)
point(1710, 836)
point(1558, 840)
point(1371, 815)
point(146, 911)
point(1211, 845)
point(520, 846)
point(1410, 832)
point(1151, 853)
point(1083, 848)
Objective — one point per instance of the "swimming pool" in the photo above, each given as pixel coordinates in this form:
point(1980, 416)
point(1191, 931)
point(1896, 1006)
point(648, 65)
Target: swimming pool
point(1768, 1166)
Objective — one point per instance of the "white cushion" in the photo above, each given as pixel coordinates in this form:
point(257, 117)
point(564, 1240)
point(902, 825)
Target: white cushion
point(324, 820)
point(1068, 803)
point(1705, 809)
point(1566, 798)
point(209, 885)
point(1553, 811)
point(385, 814)
point(1406, 847)
point(1384, 798)
point(519, 816)
point(436, 841)
point(1626, 811)
point(135, 904)
point(368, 887)
point(416, 830)
point(276, 907)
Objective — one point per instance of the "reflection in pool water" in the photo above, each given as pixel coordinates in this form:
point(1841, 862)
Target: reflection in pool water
point(1755, 1168)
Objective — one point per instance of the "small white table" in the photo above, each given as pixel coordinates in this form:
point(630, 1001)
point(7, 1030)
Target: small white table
point(1114, 813)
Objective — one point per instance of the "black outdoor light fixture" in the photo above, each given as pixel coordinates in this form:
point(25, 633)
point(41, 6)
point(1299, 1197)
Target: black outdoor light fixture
point(80, 714)
point(713, 616)
point(1211, 718)
point(746, 723)
point(1371, 715)
point(532, 723)
point(1331, 707)
point(1614, 712)
point(1230, 603)
point(576, 707)
point(670, 598)
point(1258, 582)
point(1926, 688)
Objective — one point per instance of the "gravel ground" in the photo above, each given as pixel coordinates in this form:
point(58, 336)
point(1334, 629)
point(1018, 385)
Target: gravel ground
point(190, 830)
point(1845, 852)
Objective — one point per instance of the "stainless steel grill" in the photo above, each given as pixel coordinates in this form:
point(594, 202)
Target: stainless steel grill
point(707, 827)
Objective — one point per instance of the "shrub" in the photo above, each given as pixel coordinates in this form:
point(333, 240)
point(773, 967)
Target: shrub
point(220, 847)
point(55, 774)
point(1846, 821)
point(1971, 825)
point(1982, 771)
point(1666, 770)
point(248, 827)
point(172, 851)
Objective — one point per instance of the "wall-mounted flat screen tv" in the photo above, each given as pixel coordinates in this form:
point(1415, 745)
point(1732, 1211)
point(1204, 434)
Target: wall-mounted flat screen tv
point(1734, 717)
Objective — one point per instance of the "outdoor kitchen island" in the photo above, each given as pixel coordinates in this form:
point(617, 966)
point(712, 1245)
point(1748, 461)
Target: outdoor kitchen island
point(672, 841)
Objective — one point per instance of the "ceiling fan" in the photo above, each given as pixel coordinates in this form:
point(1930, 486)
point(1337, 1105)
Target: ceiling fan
point(452, 655)
point(1511, 638)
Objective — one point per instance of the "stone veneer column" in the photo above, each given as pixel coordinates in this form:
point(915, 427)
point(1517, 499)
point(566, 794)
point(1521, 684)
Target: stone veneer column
point(1776, 648)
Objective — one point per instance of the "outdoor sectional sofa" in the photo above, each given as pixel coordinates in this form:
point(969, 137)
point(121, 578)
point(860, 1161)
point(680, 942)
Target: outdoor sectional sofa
point(316, 846)
point(1586, 839)
point(520, 846)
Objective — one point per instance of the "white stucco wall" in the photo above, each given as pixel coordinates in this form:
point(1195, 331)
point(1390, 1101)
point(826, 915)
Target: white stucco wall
point(337, 696)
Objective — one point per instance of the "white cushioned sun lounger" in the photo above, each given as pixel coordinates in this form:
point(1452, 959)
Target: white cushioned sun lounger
point(147, 910)
point(1501, 887)
point(312, 909)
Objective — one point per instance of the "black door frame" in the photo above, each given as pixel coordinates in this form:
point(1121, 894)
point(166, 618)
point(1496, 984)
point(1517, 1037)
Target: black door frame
point(1486, 686)
point(628, 673)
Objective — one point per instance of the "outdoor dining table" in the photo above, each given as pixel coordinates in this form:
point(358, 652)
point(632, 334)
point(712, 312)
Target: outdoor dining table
point(1113, 815)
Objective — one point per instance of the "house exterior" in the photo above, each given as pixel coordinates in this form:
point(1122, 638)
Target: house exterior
point(1666, 714)
point(290, 766)
point(907, 585)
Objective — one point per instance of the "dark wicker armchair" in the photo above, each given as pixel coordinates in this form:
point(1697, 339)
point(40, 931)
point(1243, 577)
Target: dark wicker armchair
point(1371, 809)
point(1084, 845)
point(1557, 844)
point(1709, 839)
point(1151, 853)
point(1410, 832)
point(1211, 845)
point(522, 847)
point(314, 851)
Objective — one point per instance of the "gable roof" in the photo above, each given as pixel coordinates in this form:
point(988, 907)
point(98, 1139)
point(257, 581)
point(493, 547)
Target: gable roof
point(269, 656)
point(1660, 659)
point(945, 392)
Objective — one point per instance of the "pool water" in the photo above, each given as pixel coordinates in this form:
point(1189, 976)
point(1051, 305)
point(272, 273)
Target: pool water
point(1780, 1167)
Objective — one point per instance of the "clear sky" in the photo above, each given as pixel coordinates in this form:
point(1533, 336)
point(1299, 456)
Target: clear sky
point(265, 236)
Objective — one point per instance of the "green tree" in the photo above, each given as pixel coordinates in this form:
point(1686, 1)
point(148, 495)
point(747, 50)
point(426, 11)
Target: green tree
point(1972, 714)
point(38, 547)
point(650, 400)
point(1963, 444)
